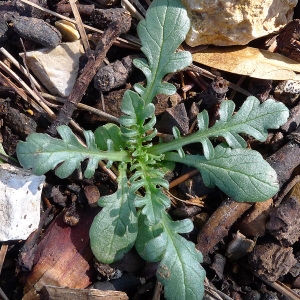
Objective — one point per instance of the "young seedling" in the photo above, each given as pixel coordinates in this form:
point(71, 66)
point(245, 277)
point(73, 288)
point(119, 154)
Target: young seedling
point(135, 215)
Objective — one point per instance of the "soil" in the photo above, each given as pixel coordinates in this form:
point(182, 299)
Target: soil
point(251, 251)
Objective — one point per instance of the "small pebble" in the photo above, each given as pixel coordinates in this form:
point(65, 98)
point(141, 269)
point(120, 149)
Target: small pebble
point(57, 68)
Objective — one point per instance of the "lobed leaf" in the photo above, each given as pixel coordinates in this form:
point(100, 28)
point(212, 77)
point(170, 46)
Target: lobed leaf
point(252, 119)
point(161, 33)
point(179, 270)
point(134, 126)
point(154, 202)
point(240, 173)
point(145, 235)
point(109, 132)
point(42, 153)
point(114, 229)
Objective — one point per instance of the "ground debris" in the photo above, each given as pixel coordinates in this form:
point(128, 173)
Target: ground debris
point(37, 30)
point(271, 261)
point(218, 225)
point(239, 246)
point(62, 258)
point(111, 104)
point(63, 293)
point(101, 18)
point(3, 31)
point(284, 220)
point(288, 40)
point(254, 222)
point(65, 250)
point(113, 75)
point(287, 91)
point(162, 102)
point(174, 116)
point(20, 123)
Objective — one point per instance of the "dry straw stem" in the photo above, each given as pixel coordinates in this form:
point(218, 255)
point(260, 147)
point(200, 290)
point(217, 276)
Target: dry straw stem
point(3, 252)
point(48, 96)
point(140, 7)
point(6, 82)
point(6, 69)
point(133, 11)
point(20, 92)
point(98, 112)
point(80, 26)
point(210, 75)
point(280, 288)
point(52, 115)
point(20, 67)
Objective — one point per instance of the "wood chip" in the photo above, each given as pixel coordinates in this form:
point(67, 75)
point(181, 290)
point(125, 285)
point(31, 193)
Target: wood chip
point(61, 293)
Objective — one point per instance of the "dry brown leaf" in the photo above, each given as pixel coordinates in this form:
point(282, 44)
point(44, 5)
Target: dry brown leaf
point(249, 61)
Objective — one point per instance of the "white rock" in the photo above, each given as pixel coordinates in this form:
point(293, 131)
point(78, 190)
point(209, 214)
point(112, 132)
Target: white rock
point(57, 68)
point(235, 22)
point(20, 200)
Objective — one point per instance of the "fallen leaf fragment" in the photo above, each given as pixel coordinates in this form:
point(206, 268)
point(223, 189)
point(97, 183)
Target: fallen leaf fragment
point(249, 61)
point(64, 257)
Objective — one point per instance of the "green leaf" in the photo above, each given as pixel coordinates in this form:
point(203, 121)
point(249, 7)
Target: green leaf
point(42, 153)
point(161, 33)
point(154, 201)
point(145, 235)
point(134, 106)
point(2, 151)
point(109, 132)
point(134, 126)
point(253, 119)
point(179, 270)
point(240, 173)
point(114, 229)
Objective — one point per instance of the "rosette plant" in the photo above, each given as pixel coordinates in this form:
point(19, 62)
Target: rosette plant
point(136, 215)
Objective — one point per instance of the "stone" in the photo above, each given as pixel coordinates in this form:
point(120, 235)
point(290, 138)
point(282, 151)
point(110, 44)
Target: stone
point(19, 202)
point(57, 68)
point(235, 22)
